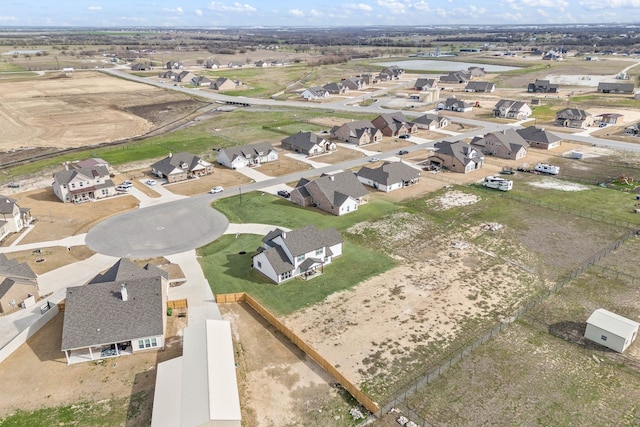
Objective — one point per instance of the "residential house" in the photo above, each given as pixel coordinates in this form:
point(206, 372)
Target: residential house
point(552, 55)
point(390, 176)
point(18, 285)
point(369, 79)
point(278, 63)
point(540, 138)
point(223, 83)
point(476, 72)
point(455, 77)
point(605, 87)
point(201, 81)
point(633, 130)
point(543, 86)
point(79, 185)
point(119, 312)
point(453, 104)
point(247, 155)
point(358, 132)
point(353, 83)
point(169, 75)
point(314, 93)
point(431, 121)
point(300, 252)
point(212, 64)
point(181, 166)
point(456, 156)
point(90, 163)
point(140, 66)
point(608, 118)
point(233, 64)
point(506, 144)
point(394, 124)
point(174, 65)
point(261, 64)
point(185, 77)
point(422, 84)
point(487, 87)
point(574, 118)
point(199, 388)
point(308, 143)
point(392, 73)
point(13, 218)
point(510, 109)
point(336, 88)
point(337, 194)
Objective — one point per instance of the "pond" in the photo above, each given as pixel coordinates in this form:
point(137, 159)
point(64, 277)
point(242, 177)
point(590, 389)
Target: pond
point(437, 65)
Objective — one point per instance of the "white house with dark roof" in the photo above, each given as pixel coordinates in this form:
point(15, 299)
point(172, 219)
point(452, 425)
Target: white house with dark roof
point(247, 155)
point(301, 252)
point(181, 166)
point(13, 218)
point(431, 121)
point(315, 92)
point(390, 176)
point(611, 330)
point(337, 194)
point(454, 104)
point(119, 312)
point(510, 109)
point(308, 143)
point(79, 185)
point(18, 285)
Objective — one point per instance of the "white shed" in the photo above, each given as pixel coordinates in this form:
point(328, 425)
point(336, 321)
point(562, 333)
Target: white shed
point(199, 388)
point(611, 330)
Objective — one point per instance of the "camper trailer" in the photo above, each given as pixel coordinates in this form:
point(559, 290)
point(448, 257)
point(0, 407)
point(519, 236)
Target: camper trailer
point(545, 168)
point(498, 183)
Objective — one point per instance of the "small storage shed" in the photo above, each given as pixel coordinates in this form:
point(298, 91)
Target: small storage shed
point(611, 330)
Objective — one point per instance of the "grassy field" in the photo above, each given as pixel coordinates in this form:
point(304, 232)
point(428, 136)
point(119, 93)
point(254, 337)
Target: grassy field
point(9, 67)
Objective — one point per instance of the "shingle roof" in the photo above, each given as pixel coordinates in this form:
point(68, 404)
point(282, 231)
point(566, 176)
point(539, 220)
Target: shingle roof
point(183, 161)
point(66, 176)
point(16, 269)
point(457, 149)
point(306, 239)
point(337, 186)
point(304, 140)
point(124, 270)
point(249, 151)
point(390, 173)
point(6, 205)
point(535, 134)
point(480, 86)
point(278, 260)
point(572, 114)
point(506, 137)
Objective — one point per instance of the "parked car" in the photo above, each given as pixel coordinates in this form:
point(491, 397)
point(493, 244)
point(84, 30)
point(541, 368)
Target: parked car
point(122, 188)
point(126, 184)
point(374, 159)
point(405, 136)
point(403, 152)
point(150, 182)
point(284, 193)
point(602, 125)
point(217, 189)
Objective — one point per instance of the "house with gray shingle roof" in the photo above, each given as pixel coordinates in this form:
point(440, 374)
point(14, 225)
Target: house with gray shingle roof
point(201, 81)
point(394, 124)
point(456, 156)
point(223, 83)
point(79, 185)
point(506, 144)
point(336, 88)
point(315, 92)
point(510, 109)
point(301, 252)
point(308, 143)
point(390, 176)
point(119, 312)
point(431, 121)
point(607, 87)
point(422, 84)
point(574, 118)
point(487, 87)
point(337, 194)
point(543, 86)
point(18, 285)
point(247, 155)
point(454, 104)
point(181, 166)
point(358, 132)
point(540, 138)
point(353, 83)
point(13, 218)
point(455, 77)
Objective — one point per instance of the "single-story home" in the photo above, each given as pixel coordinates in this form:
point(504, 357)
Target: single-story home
point(611, 330)
point(337, 194)
point(181, 166)
point(425, 84)
point(358, 132)
point(431, 121)
point(336, 88)
point(315, 92)
point(247, 155)
point(606, 87)
point(308, 143)
point(301, 252)
point(119, 312)
point(506, 144)
point(609, 118)
point(18, 285)
point(390, 176)
point(454, 104)
point(456, 156)
point(200, 387)
point(487, 87)
point(223, 83)
point(540, 138)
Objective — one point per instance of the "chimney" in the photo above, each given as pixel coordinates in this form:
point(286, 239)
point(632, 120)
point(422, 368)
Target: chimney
point(284, 234)
point(332, 178)
point(123, 292)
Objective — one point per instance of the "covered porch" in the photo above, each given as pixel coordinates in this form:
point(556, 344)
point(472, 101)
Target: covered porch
point(99, 352)
point(310, 268)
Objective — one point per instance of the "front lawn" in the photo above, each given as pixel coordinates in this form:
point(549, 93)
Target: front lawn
point(229, 271)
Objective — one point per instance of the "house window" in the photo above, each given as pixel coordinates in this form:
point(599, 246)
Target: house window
point(259, 264)
point(300, 258)
point(285, 276)
point(603, 337)
point(319, 251)
point(147, 343)
point(73, 185)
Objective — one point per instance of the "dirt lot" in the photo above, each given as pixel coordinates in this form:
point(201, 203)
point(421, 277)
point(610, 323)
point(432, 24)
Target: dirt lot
point(85, 109)
point(222, 176)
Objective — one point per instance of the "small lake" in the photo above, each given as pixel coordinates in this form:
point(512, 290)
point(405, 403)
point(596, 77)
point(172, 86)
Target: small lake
point(22, 52)
point(437, 65)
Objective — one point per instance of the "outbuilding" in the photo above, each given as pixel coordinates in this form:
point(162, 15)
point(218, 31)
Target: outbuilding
point(611, 330)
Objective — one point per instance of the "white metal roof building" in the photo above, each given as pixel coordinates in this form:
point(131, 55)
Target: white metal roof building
point(611, 330)
point(199, 388)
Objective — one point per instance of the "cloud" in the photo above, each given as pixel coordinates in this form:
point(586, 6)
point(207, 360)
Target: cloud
point(94, 8)
point(296, 12)
point(8, 18)
point(179, 9)
point(561, 5)
point(395, 7)
point(315, 13)
point(611, 4)
point(198, 12)
point(422, 5)
point(234, 8)
point(359, 6)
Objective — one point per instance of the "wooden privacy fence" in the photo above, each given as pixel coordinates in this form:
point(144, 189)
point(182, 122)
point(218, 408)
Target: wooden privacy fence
point(308, 350)
point(178, 303)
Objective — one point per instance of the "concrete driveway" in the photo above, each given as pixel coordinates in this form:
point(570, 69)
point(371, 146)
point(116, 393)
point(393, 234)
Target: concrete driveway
point(159, 230)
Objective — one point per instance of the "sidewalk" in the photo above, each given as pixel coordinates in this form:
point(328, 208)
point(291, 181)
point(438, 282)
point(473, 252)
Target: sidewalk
point(69, 242)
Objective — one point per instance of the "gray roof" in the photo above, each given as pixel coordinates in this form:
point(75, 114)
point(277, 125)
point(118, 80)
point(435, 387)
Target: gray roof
point(304, 140)
point(6, 205)
point(572, 114)
point(510, 104)
point(249, 151)
point(184, 161)
point(534, 134)
point(15, 269)
point(624, 87)
point(317, 91)
point(480, 86)
point(392, 120)
point(506, 137)
point(390, 173)
point(306, 239)
point(95, 314)
point(333, 87)
point(457, 149)
point(278, 259)
point(66, 176)
point(427, 119)
point(424, 82)
point(124, 270)
point(339, 186)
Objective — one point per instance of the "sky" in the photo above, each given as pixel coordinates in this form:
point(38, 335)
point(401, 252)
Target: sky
point(270, 13)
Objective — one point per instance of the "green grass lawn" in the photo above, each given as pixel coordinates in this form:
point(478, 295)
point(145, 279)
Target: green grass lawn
point(230, 272)
point(9, 67)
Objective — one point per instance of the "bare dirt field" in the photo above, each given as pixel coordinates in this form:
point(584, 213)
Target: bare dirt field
point(222, 176)
point(85, 109)
point(284, 166)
